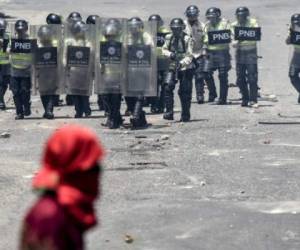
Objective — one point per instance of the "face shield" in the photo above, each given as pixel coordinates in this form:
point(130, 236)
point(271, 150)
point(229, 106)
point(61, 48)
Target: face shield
point(242, 17)
point(45, 34)
point(111, 31)
point(177, 30)
point(135, 27)
point(78, 29)
point(212, 19)
point(21, 29)
point(295, 24)
point(192, 16)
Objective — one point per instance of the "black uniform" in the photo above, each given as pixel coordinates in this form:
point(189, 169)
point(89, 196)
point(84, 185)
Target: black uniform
point(246, 58)
point(218, 54)
point(21, 63)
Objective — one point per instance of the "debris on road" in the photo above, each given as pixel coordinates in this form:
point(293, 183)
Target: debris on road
point(165, 137)
point(5, 135)
point(279, 123)
point(202, 183)
point(128, 239)
point(267, 142)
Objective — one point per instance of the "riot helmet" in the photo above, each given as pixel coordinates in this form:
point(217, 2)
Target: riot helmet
point(74, 16)
point(53, 19)
point(177, 26)
point(78, 28)
point(156, 18)
point(213, 15)
point(192, 13)
point(135, 25)
point(295, 20)
point(92, 19)
point(242, 13)
point(21, 27)
point(112, 28)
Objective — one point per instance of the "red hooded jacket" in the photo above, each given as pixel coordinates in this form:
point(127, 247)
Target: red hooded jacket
point(69, 181)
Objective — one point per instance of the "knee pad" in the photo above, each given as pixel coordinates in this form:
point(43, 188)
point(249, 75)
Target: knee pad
point(223, 71)
point(169, 88)
point(253, 78)
point(208, 76)
point(293, 72)
point(169, 78)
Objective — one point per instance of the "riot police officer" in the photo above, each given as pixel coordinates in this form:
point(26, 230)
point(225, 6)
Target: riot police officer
point(53, 18)
point(79, 66)
point(47, 66)
point(138, 77)
point(4, 62)
point(217, 39)
point(179, 48)
point(73, 17)
point(21, 62)
point(246, 56)
point(158, 103)
point(110, 74)
point(195, 29)
point(294, 71)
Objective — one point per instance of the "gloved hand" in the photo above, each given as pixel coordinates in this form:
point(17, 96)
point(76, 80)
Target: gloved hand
point(235, 44)
point(204, 54)
point(179, 66)
point(173, 56)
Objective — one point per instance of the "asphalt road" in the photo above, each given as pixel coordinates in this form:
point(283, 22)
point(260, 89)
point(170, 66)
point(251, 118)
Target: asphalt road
point(223, 181)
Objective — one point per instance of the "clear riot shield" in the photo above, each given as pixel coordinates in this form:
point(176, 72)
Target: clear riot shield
point(246, 41)
point(79, 44)
point(141, 61)
point(110, 64)
point(48, 71)
point(294, 54)
point(163, 62)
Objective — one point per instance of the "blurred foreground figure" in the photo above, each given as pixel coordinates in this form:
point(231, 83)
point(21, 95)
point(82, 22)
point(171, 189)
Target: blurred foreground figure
point(68, 183)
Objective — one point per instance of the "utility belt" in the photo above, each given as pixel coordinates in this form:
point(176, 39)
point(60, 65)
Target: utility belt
point(21, 61)
point(247, 47)
point(4, 58)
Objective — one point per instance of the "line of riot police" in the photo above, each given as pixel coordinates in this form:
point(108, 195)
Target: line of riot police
point(108, 56)
point(139, 60)
point(211, 52)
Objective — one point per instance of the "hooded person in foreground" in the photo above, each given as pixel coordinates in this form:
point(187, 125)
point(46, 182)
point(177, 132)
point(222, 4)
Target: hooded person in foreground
point(68, 184)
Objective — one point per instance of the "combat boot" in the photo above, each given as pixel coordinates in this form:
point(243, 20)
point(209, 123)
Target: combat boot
point(26, 103)
point(139, 121)
point(185, 110)
point(200, 99)
point(69, 100)
point(19, 107)
point(2, 93)
point(49, 108)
